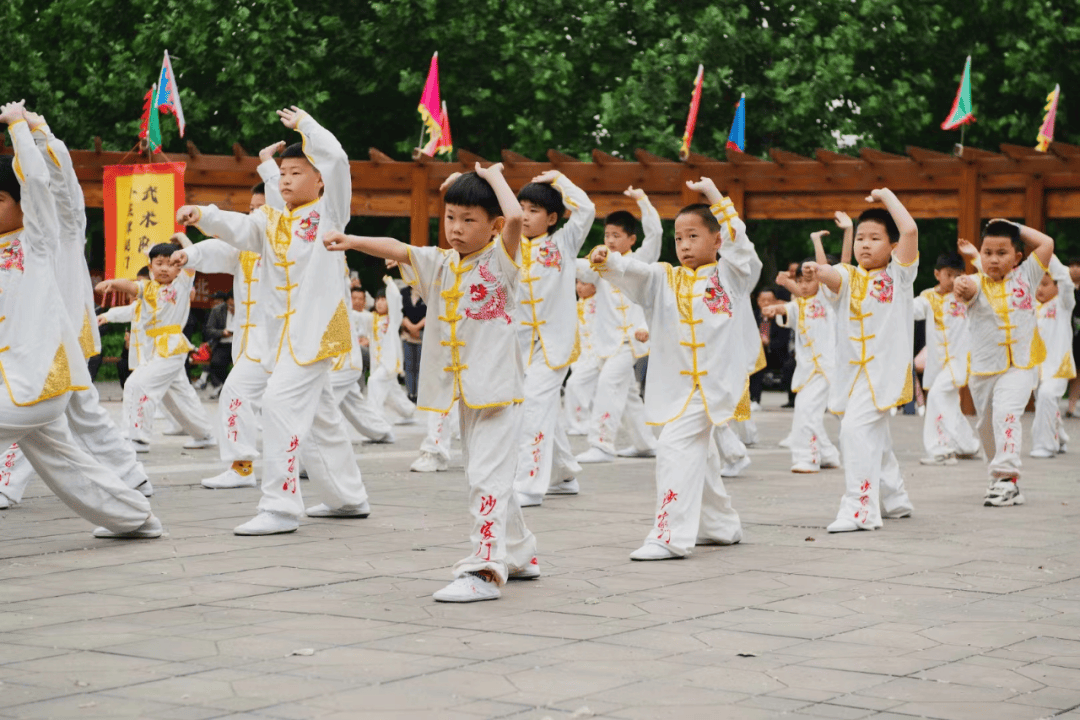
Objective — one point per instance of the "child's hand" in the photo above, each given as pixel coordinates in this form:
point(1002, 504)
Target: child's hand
point(179, 258)
point(33, 118)
point(449, 181)
point(271, 150)
point(336, 240)
point(188, 215)
point(816, 236)
point(390, 265)
point(705, 186)
point(879, 195)
point(487, 173)
point(810, 270)
point(771, 311)
point(634, 193)
point(843, 220)
point(290, 116)
point(964, 287)
point(101, 320)
point(641, 336)
point(599, 255)
point(12, 112)
point(783, 279)
point(547, 177)
point(103, 287)
point(966, 249)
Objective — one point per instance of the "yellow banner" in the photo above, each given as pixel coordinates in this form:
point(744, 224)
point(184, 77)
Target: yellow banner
point(145, 209)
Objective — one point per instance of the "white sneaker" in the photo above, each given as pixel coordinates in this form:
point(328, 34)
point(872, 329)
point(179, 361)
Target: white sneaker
point(386, 439)
point(755, 406)
point(845, 525)
point(904, 512)
point(920, 410)
point(199, 443)
point(525, 501)
point(716, 541)
point(1042, 455)
point(735, 469)
point(5, 502)
point(785, 443)
point(805, 468)
point(140, 447)
point(429, 462)
point(470, 587)
point(145, 488)
point(346, 511)
point(939, 460)
point(267, 523)
point(566, 487)
point(830, 464)
point(652, 551)
point(174, 430)
point(406, 421)
point(149, 529)
point(595, 455)
point(576, 432)
point(1003, 493)
point(229, 479)
point(633, 452)
point(529, 572)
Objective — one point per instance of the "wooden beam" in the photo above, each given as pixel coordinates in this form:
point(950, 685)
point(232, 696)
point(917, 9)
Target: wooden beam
point(238, 151)
point(469, 159)
point(509, 157)
point(602, 158)
point(419, 231)
point(969, 212)
point(784, 158)
point(647, 158)
point(738, 157)
point(875, 157)
point(557, 158)
point(378, 156)
point(1035, 204)
point(695, 159)
point(833, 158)
point(922, 154)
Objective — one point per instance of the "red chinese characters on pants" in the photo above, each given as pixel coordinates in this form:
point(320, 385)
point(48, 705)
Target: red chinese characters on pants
point(290, 483)
point(234, 407)
point(862, 514)
point(486, 536)
point(487, 504)
point(663, 528)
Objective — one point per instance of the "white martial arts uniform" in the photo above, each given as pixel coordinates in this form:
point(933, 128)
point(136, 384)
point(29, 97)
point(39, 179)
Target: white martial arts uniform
point(1006, 349)
point(42, 362)
point(814, 324)
point(696, 378)
point(875, 335)
point(945, 429)
point(345, 378)
point(1055, 328)
point(580, 388)
point(617, 318)
point(306, 322)
point(90, 423)
point(384, 333)
point(471, 358)
point(440, 433)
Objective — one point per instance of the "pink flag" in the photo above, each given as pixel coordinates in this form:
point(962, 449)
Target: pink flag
point(430, 106)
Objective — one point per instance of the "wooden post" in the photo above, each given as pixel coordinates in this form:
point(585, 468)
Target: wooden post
point(970, 218)
point(686, 172)
point(1035, 203)
point(419, 230)
point(737, 193)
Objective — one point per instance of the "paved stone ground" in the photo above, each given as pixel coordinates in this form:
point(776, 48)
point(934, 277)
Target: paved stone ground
point(960, 612)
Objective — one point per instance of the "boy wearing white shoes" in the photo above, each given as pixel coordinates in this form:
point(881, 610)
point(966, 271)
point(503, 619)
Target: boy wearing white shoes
point(1056, 298)
point(384, 334)
point(580, 388)
point(697, 371)
point(436, 446)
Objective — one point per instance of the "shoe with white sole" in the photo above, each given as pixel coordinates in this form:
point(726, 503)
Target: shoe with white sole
point(715, 541)
point(149, 529)
point(830, 464)
point(633, 452)
point(735, 469)
point(174, 430)
point(525, 501)
point(904, 512)
point(345, 511)
point(652, 551)
point(470, 587)
point(785, 443)
point(1042, 455)
point(566, 487)
point(145, 488)
point(845, 525)
point(140, 447)
point(939, 460)
point(267, 523)
point(5, 502)
point(529, 572)
point(595, 455)
point(228, 480)
point(387, 439)
point(1003, 493)
point(429, 462)
point(200, 443)
point(805, 468)
point(405, 421)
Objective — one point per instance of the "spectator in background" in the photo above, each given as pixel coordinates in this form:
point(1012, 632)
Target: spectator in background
point(219, 336)
point(777, 344)
point(1074, 387)
point(412, 332)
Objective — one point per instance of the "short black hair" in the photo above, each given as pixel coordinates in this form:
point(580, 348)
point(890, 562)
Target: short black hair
point(259, 189)
point(9, 182)
point(881, 216)
point(380, 293)
point(624, 220)
point(162, 250)
point(952, 261)
point(705, 213)
point(471, 190)
point(546, 196)
point(358, 289)
point(1000, 228)
point(296, 150)
point(144, 272)
point(798, 271)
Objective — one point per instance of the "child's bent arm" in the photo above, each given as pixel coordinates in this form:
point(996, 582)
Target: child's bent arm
point(582, 211)
point(380, 247)
point(907, 250)
point(639, 281)
point(820, 256)
point(325, 152)
point(1041, 244)
point(39, 211)
point(827, 275)
point(1066, 289)
point(511, 208)
point(652, 229)
point(243, 232)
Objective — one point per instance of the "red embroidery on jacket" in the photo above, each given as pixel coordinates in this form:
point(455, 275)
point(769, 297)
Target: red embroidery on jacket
point(11, 257)
point(495, 307)
point(548, 255)
point(715, 297)
point(309, 227)
point(881, 289)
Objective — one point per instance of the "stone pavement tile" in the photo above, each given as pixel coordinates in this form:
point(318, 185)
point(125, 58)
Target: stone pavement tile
point(808, 695)
point(96, 670)
point(965, 673)
point(466, 644)
point(1054, 651)
point(934, 691)
point(696, 712)
point(357, 663)
point(834, 681)
point(776, 704)
point(307, 629)
point(492, 708)
point(965, 710)
point(98, 706)
point(165, 648)
point(828, 710)
point(745, 682)
point(12, 652)
point(668, 692)
point(1050, 697)
point(437, 693)
point(1052, 675)
point(884, 638)
point(561, 682)
point(864, 702)
point(996, 634)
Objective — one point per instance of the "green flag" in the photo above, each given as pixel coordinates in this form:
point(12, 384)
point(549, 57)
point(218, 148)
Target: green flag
point(961, 107)
point(151, 122)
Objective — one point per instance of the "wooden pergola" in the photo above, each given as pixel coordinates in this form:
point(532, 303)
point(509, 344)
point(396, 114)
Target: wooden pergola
point(1017, 182)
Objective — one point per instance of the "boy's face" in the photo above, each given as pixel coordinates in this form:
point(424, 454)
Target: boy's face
point(872, 245)
point(1047, 289)
point(380, 305)
point(257, 201)
point(164, 270)
point(537, 220)
point(300, 182)
point(1074, 273)
point(766, 298)
point(807, 287)
point(359, 301)
point(695, 245)
point(11, 216)
point(945, 278)
point(585, 290)
point(998, 256)
point(617, 239)
point(468, 228)
point(231, 304)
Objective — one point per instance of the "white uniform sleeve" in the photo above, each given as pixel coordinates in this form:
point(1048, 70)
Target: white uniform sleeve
point(845, 270)
point(119, 314)
point(922, 308)
point(904, 275)
point(270, 174)
point(393, 306)
point(651, 244)
point(243, 232)
point(39, 211)
point(1066, 289)
point(212, 256)
point(585, 271)
point(582, 214)
point(1032, 271)
point(420, 272)
point(329, 158)
point(641, 282)
point(736, 250)
point(791, 310)
point(66, 191)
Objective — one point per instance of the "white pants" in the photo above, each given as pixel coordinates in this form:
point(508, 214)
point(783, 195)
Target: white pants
point(1048, 431)
point(747, 431)
point(356, 407)
point(730, 447)
point(95, 432)
point(578, 397)
point(945, 429)
point(238, 410)
point(440, 426)
point(83, 484)
point(163, 379)
point(810, 442)
point(386, 393)
point(872, 479)
point(544, 456)
point(500, 540)
point(692, 504)
point(300, 416)
point(617, 391)
point(1000, 401)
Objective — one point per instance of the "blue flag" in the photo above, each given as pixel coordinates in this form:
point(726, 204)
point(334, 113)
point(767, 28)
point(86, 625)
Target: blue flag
point(737, 139)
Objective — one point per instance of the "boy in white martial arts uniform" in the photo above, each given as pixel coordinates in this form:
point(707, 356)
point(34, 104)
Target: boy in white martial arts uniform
point(548, 331)
point(813, 320)
point(1056, 297)
point(307, 328)
point(697, 370)
point(471, 358)
point(946, 432)
point(348, 373)
point(616, 323)
point(580, 387)
point(1005, 345)
point(384, 333)
point(90, 423)
point(437, 444)
point(875, 336)
point(42, 362)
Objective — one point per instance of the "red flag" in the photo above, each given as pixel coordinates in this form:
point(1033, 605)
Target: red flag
point(430, 107)
point(1046, 132)
point(691, 119)
point(442, 144)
